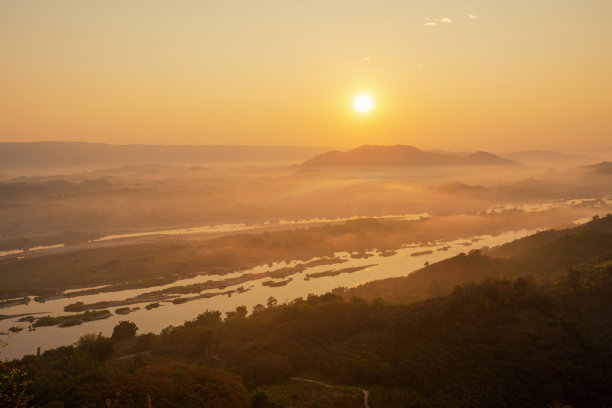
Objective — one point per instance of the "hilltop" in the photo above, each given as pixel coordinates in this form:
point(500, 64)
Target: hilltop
point(600, 168)
point(401, 155)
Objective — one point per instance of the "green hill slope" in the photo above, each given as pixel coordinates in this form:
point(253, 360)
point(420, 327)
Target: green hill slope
point(509, 340)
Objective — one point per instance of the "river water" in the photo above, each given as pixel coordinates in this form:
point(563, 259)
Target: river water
point(220, 229)
point(400, 264)
point(236, 228)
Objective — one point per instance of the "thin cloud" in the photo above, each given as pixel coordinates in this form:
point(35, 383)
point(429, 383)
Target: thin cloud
point(473, 17)
point(431, 22)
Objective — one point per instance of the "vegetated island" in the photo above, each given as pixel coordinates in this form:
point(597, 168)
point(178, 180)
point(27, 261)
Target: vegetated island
point(525, 324)
point(72, 320)
point(276, 284)
point(421, 253)
point(154, 264)
point(336, 272)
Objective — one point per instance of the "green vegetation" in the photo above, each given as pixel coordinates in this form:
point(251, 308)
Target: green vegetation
point(153, 264)
point(13, 302)
point(75, 307)
point(275, 284)
point(14, 387)
point(421, 253)
point(509, 340)
point(304, 394)
point(125, 330)
point(80, 306)
point(72, 320)
point(338, 271)
point(546, 256)
point(500, 343)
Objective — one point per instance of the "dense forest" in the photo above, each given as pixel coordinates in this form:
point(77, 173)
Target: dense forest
point(528, 324)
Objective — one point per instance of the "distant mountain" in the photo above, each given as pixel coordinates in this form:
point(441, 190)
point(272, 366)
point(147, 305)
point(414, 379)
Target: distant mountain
point(600, 168)
point(451, 152)
point(401, 155)
point(66, 154)
point(545, 156)
point(487, 159)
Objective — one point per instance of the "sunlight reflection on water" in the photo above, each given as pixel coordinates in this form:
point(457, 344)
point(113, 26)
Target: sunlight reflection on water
point(229, 228)
point(399, 264)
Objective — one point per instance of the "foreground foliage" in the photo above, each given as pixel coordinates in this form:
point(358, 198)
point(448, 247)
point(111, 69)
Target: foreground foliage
point(506, 341)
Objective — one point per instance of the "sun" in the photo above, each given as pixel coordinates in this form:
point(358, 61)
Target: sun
point(363, 103)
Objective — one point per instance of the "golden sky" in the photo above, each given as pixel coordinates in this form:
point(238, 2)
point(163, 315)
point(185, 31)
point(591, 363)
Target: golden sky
point(480, 74)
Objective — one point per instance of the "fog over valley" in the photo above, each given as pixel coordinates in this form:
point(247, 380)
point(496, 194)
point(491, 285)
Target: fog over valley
point(305, 204)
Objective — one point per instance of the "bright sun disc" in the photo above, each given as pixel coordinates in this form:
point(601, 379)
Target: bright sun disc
point(363, 103)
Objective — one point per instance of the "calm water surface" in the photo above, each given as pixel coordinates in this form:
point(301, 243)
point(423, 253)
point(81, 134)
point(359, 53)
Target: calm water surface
point(222, 228)
point(154, 320)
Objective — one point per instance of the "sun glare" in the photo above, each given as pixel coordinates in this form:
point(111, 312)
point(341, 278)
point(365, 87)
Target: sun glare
point(363, 103)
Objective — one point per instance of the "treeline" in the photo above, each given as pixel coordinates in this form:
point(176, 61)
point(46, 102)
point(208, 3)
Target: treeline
point(501, 343)
point(66, 238)
point(546, 256)
point(153, 264)
point(505, 341)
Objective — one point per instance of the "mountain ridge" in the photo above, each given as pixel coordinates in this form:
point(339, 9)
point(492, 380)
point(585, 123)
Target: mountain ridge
point(40, 154)
point(401, 155)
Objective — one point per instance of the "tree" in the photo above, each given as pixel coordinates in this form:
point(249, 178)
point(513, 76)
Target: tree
point(241, 311)
point(14, 387)
point(209, 318)
point(98, 347)
point(573, 280)
point(125, 330)
point(272, 302)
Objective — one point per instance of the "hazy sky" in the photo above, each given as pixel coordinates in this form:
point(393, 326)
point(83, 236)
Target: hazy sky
point(496, 75)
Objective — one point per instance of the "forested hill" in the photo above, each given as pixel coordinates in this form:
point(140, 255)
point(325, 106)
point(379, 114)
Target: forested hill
point(401, 155)
point(547, 255)
point(505, 342)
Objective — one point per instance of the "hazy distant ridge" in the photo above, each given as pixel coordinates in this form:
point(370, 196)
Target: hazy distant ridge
point(401, 155)
point(546, 156)
point(600, 168)
point(39, 154)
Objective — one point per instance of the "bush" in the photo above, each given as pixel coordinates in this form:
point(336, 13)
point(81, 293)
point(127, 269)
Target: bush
point(125, 330)
point(98, 347)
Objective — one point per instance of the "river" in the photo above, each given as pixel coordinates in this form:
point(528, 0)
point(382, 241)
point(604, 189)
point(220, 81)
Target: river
point(402, 263)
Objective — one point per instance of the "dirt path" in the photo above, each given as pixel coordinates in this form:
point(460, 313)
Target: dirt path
point(142, 353)
point(366, 394)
